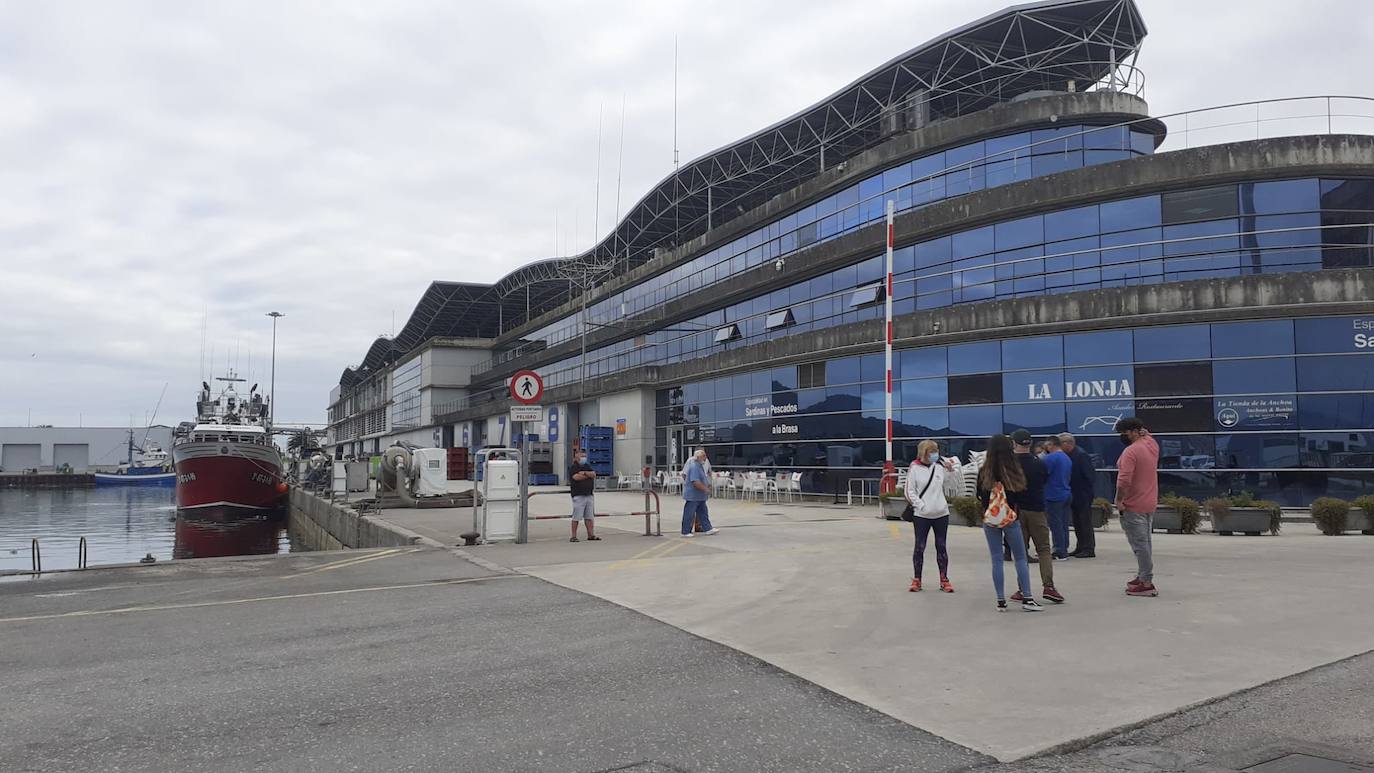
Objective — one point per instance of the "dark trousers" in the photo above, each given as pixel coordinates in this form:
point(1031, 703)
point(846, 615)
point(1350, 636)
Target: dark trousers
point(1083, 526)
point(923, 528)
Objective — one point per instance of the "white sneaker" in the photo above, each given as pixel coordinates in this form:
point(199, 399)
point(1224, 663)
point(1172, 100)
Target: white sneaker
point(713, 531)
point(689, 534)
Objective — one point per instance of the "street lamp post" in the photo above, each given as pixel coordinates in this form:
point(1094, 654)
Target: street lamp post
point(272, 397)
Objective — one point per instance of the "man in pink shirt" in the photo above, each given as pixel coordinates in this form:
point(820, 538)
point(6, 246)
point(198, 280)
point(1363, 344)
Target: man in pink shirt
point(1137, 497)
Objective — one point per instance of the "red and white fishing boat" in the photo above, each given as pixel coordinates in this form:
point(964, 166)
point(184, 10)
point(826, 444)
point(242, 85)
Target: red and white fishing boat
point(227, 459)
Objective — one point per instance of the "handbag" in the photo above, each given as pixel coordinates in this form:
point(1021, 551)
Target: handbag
point(909, 514)
point(999, 513)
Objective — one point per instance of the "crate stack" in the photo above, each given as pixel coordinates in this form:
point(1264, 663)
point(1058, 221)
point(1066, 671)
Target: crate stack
point(541, 463)
point(599, 443)
point(459, 464)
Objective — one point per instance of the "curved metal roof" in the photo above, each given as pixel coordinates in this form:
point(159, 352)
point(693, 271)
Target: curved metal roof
point(1026, 48)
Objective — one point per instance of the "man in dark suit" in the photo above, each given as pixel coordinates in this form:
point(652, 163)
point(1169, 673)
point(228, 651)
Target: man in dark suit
point(1082, 482)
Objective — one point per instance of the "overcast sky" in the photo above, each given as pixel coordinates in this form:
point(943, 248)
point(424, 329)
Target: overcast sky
point(165, 165)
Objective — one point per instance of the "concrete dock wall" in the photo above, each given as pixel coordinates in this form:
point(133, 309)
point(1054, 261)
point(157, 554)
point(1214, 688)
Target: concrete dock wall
point(317, 524)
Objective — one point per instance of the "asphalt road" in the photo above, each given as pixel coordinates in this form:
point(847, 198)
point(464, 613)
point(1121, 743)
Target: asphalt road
point(399, 660)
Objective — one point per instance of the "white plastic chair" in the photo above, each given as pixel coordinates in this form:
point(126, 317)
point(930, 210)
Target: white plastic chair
point(790, 485)
point(674, 483)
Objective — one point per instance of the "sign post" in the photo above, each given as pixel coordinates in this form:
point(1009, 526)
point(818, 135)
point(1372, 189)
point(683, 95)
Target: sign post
point(526, 388)
point(889, 481)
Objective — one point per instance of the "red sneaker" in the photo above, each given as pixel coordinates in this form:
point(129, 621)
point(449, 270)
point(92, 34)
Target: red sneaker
point(1143, 589)
point(945, 586)
point(1053, 595)
point(915, 585)
point(1017, 596)
point(1132, 584)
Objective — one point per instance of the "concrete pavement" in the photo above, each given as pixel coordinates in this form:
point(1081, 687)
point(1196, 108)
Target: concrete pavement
point(399, 659)
point(821, 592)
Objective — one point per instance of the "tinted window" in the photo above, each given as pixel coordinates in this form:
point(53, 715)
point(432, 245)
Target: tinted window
point(1239, 377)
point(1033, 385)
point(914, 363)
point(1198, 204)
point(1184, 378)
point(985, 357)
point(1100, 383)
point(1190, 342)
point(1259, 412)
point(926, 422)
point(1019, 233)
point(1249, 339)
point(976, 421)
point(1175, 414)
point(1041, 352)
point(1334, 334)
point(1071, 224)
point(1129, 214)
point(1037, 419)
point(1256, 450)
point(842, 371)
point(1279, 197)
point(1336, 411)
point(1344, 449)
point(1336, 374)
point(918, 393)
point(1097, 418)
point(1108, 346)
point(972, 390)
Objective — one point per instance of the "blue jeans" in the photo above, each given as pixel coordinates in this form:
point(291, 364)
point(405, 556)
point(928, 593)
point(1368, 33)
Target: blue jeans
point(695, 511)
point(1018, 552)
point(1061, 518)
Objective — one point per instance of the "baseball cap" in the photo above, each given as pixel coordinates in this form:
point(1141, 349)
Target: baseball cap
point(1021, 437)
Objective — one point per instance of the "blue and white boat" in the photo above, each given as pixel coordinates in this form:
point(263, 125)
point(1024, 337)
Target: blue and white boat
point(152, 467)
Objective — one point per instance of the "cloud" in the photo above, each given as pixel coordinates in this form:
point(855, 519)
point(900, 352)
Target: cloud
point(172, 164)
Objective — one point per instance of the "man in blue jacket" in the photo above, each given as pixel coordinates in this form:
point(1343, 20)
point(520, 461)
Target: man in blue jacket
point(1058, 496)
point(1083, 483)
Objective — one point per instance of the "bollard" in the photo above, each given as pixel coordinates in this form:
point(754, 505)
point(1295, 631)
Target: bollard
point(81, 554)
point(36, 555)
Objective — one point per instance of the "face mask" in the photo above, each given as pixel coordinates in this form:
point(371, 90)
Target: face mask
point(581, 460)
point(1125, 439)
point(934, 458)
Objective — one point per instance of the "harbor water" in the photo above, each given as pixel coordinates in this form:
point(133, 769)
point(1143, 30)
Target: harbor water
point(122, 524)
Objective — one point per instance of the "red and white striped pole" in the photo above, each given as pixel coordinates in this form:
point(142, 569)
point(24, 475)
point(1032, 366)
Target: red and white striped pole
point(889, 483)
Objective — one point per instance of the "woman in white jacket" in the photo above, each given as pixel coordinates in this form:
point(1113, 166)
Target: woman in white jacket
point(929, 481)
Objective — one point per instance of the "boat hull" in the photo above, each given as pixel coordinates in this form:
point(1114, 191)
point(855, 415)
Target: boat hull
point(228, 475)
point(140, 479)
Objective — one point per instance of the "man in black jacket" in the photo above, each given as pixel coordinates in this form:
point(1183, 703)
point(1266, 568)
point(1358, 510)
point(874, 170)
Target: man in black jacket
point(1082, 482)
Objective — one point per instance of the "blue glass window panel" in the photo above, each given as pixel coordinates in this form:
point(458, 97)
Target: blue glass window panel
point(967, 244)
point(1352, 411)
point(847, 197)
point(1280, 197)
point(1097, 417)
point(1000, 147)
point(1333, 334)
point(873, 398)
point(1129, 214)
point(1037, 352)
point(1285, 242)
point(1107, 138)
point(1186, 452)
point(1142, 142)
point(1094, 157)
point(784, 378)
point(896, 176)
point(870, 187)
point(1071, 223)
point(1197, 252)
point(975, 285)
point(936, 252)
point(1111, 382)
point(926, 422)
point(1019, 233)
point(1007, 170)
point(1256, 413)
point(1253, 376)
point(1058, 139)
point(980, 357)
point(842, 398)
point(1252, 339)
point(1263, 451)
point(1138, 245)
point(1032, 385)
point(916, 363)
point(975, 420)
point(872, 368)
point(1182, 206)
point(1044, 419)
point(1350, 373)
point(934, 300)
point(1052, 163)
point(1108, 346)
point(903, 260)
point(963, 177)
point(1346, 449)
point(1181, 342)
point(842, 371)
point(924, 392)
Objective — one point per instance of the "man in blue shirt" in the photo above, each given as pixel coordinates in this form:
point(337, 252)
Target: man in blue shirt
point(1058, 496)
point(695, 491)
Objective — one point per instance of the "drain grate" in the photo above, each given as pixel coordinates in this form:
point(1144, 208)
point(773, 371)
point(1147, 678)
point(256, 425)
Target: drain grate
point(1306, 763)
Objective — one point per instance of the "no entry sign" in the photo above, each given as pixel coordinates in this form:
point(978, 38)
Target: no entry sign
point(526, 387)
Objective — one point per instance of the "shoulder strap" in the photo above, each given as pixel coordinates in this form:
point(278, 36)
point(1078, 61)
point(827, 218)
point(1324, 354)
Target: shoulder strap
point(928, 482)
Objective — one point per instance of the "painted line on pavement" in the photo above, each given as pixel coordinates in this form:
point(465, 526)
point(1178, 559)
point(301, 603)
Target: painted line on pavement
point(347, 562)
point(255, 599)
point(661, 548)
point(892, 527)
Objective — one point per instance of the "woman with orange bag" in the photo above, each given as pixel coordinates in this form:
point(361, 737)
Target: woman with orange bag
point(999, 482)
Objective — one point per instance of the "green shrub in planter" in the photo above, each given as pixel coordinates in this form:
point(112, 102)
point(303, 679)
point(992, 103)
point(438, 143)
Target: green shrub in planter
point(1102, 512)
point(1275, 511)
point(1329, 513)
point(1189, 511)
point(898, 494)
point(1243, 499)
point(968, 509)
point(891, 505)
point(1366, 503)
point(1217, 507)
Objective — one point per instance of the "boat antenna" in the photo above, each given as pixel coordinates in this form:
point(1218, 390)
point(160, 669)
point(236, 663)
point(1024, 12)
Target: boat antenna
point(149, 428)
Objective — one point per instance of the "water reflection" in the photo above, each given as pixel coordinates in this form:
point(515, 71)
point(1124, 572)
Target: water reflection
point(200, 537)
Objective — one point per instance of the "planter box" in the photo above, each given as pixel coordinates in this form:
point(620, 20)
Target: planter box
point(1356, 521)
point(1246, 520)
point(1168, 519)
point(1100, 515)
point(891, 509)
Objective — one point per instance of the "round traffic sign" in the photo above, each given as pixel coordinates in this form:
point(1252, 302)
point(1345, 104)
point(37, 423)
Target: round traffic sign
point(526, 387)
